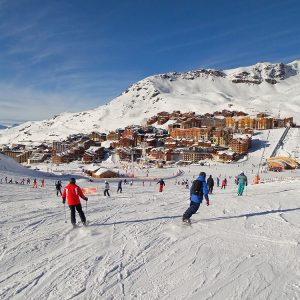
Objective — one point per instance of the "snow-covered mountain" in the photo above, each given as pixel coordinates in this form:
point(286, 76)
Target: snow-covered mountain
point(272, 88)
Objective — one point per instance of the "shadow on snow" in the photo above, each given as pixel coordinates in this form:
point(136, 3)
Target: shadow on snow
point(137, 220)
point(252, 214)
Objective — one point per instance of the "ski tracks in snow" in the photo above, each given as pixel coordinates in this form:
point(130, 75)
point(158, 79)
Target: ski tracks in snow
point(136, 247)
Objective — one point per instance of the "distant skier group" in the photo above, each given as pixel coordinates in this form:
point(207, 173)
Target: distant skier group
point(22, 182)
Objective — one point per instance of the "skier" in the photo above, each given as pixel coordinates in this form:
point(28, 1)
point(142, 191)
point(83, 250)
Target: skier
point(197, 191)
point(161, 184)
point(58, 187)
point(5, 179)
point(235, 179)
point(223, 184)
point(218, 181)
point(28, 180)
point(106, 189)
point(120, 186)
point(186, 184)
point(23, 181)
point(42, 183)
point(210, 183)
point(71, 193)
point(34, 183)
point(241, 182)
point(131, 182)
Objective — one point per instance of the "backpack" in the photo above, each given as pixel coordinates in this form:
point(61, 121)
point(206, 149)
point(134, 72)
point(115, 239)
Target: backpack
point(197, 188)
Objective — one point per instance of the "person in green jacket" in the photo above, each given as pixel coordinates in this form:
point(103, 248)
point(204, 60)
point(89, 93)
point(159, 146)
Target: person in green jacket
point(241, 182)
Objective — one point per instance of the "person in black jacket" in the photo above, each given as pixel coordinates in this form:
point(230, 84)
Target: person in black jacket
point(120, 186)
point(58, 186)
point(210, 184)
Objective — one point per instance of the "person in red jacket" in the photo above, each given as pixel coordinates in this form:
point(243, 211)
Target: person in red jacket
point(71, 193)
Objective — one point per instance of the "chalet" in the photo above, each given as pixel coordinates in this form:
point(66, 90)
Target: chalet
point(218, 137)
point(239, 145)
point(195, 155)
point(37, 157)
point(225, 156)
point(93, 154)
point(157, 153)
point(113, 135)
point(173, 155)
point(126, 142)
point(170, 143)
point(194, 133)
point(105, 173)
point(61, 158)
point(97, 136)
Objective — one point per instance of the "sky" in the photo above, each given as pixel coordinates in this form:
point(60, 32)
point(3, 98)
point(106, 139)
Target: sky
point(75, 55)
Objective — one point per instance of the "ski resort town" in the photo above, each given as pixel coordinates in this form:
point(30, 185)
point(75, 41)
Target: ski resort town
point(166, 138)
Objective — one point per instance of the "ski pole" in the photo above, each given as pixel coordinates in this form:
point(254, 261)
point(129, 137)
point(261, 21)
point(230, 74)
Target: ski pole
point(65, 213)
point(85, 207)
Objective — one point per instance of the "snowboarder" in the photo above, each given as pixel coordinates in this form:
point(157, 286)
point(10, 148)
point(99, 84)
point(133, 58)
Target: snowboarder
point(241, 182)
point(197, 191)
point(58, 187)
point(161, 184)
point(71, 193)
point(106, 189)
point(210, 184)
point(120, 186)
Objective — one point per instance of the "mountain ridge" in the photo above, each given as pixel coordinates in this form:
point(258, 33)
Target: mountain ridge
point(273, 88)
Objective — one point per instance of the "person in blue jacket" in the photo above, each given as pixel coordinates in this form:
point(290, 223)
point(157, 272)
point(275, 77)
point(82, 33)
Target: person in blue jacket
point(197, 192)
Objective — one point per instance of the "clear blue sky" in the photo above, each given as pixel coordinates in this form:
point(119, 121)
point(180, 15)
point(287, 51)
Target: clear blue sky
point(73, 55)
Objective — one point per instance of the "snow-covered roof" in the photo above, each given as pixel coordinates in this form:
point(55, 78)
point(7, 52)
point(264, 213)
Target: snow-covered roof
point(227, 152)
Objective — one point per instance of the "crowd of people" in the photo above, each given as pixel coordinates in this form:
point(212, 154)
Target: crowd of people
point(23, 181)
point(200, 189)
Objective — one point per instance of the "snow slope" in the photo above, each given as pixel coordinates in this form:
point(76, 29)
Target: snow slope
point(135, 246)
point(266, 87)
point(11, 168)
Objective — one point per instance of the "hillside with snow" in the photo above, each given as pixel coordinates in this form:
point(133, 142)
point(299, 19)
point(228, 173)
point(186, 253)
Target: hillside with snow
point(136, 247)
point(264, 87)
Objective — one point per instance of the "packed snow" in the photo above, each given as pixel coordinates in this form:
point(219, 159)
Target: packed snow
point(136, 247)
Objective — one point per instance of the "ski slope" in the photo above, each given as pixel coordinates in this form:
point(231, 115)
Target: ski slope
point(136, 247)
